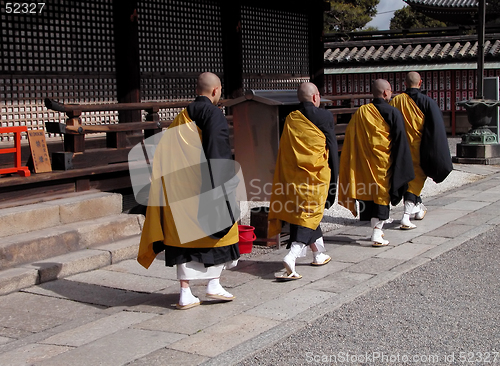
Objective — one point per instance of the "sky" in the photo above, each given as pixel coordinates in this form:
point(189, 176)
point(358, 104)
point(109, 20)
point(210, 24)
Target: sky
point(387, 7)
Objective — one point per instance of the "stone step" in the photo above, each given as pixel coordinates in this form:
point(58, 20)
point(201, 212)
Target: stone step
point(65, 238)
point(17, 278)
point(52, 213)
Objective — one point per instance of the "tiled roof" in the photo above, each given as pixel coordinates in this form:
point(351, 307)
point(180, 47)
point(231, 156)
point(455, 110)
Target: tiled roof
point(445, 3)
point(440, 50)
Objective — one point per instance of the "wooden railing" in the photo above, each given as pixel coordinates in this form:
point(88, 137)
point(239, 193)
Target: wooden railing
point(118, 135)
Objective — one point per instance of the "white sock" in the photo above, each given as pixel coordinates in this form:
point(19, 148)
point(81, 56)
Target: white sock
point(320, 245)
point(215, 288)
point(409, 208)
point(296, 250)
point(187, 297)
point(376, 223)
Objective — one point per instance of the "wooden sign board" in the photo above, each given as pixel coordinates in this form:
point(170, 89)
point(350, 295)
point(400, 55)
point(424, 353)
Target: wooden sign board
point(39, 152)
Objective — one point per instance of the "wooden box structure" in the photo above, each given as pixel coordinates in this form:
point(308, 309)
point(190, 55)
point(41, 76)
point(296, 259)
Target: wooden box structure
point(136, 51)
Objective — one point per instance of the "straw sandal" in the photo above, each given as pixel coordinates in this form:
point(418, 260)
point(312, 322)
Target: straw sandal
point(288, 277)
point(188, 306)
point(322, 263)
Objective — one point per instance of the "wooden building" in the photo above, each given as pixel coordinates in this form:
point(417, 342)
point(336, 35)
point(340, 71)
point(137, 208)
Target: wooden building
point(142, 51)
point(446, 60)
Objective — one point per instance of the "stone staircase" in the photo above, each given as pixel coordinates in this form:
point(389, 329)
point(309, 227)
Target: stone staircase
point(63, 235)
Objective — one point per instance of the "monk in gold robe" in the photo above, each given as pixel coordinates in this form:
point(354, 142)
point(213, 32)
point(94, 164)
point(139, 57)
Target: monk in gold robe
point(188, 214)
point(429, 148)
point(305, 179)
point(375, 162)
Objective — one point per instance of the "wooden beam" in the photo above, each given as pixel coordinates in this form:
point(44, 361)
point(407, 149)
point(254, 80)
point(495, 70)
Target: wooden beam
point(316, 48)
point(128, 77)
point(232, 48)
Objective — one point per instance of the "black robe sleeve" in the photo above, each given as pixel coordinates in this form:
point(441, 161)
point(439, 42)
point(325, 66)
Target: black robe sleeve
point(402, 166)
point(435, 157)
point(220, 166)
point(323, 119)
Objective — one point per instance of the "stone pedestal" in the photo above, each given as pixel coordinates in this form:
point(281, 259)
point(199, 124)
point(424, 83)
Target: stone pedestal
point(479, 145)
point(486, 154)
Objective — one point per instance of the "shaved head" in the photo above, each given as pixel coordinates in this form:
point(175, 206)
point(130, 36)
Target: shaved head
point(413, 79)
point(209, 85)
point(380, 87)
point(308, 92)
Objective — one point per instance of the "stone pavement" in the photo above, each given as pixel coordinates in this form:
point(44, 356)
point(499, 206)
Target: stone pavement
point(125, 315)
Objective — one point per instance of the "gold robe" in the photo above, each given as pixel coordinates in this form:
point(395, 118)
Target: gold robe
point(302, 176)
point(414, 124)
point(365, 161)
point(160, 224)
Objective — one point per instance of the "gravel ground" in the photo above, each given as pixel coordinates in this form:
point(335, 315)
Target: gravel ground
point(443, 311)
point(337, 216)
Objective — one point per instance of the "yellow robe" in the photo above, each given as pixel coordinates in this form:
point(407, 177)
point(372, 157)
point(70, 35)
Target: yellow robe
point(414, 124)
point(159, 224)
point(302, 176)
point(365, 160)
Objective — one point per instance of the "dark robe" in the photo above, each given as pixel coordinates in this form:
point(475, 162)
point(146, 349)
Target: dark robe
point(435, 158)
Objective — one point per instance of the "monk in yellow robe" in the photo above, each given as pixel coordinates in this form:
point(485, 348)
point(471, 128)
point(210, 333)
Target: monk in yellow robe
point(375, 162)
point(426, 135)
point(188, 215)
point(305, 179)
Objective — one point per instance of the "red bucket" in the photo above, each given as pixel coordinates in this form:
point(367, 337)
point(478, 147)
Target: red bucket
point(247, 236)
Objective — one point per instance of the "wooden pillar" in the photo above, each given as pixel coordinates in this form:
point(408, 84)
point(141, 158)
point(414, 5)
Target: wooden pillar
point(480, 49)
point(128, 77)
point(232, 48)
point(316, 9)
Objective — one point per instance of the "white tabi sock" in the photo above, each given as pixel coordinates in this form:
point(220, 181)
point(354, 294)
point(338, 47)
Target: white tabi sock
point(215, 288)
point(376, 223)
point(408, 210)
point(187, 297)
point(319, 255)
point(296, 250)
point(378, 234)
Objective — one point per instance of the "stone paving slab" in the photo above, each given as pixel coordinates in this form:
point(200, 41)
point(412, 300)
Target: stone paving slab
point(451, 230)
point(375, 265)
point(224, 335)
point(428, 240)
point(490, 195)
point(468, 205)
point(354, 253)
point(31, 354)
point(114, 350)
point(169, 357)
point(49, 306)
point(157, 269)
point(339, 282)
point(313, 273)
point(83, 292)
point(26, 320)
point(290, 304)
point(123, 249)
point(92, 331)
point(476, 218)
point(15, 278)
point(68, 264)
point(193, 321)
point(88, 207)
point(445, 200)
point(123, 281)
point(405, 251)
point(134, 327)
point(21, 219)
